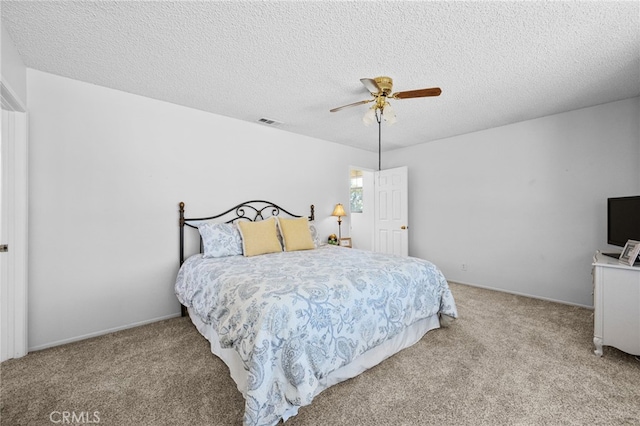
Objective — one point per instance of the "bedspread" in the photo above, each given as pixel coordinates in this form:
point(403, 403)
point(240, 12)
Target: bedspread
point(294, 317)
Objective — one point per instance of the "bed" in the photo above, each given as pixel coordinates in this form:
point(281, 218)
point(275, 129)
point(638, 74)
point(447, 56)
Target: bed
point(292, 319)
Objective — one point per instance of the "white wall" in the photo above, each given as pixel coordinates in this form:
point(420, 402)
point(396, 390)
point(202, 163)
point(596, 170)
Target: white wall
point(107, 172)
point(14, 72)
point(524, 205)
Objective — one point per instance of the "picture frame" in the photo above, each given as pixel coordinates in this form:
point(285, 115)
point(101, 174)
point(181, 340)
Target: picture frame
point(345, 242)
point(630, 252)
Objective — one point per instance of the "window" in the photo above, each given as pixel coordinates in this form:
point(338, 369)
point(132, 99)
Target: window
point(356, 191)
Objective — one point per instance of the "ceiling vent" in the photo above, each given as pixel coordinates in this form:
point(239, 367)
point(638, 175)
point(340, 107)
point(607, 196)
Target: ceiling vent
point(269, 122)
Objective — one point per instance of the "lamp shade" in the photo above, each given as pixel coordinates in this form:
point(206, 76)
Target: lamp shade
point(338, 211)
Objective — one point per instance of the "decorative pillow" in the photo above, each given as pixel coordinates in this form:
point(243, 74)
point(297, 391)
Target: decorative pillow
point(259, 237)
point(296, 234)
point(220, 239)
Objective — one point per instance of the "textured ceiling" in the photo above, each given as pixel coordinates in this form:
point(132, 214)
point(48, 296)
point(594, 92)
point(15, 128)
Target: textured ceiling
point(496, 62)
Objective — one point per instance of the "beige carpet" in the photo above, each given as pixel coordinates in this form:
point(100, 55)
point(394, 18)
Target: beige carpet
point(507, 360)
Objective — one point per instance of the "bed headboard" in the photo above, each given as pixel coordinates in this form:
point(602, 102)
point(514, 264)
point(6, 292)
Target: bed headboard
point(253, 210)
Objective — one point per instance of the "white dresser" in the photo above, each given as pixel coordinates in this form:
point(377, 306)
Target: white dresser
point(617, 305)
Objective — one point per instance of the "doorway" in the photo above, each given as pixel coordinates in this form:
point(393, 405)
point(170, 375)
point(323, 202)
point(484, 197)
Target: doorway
point(378, 210)
point(361, 207)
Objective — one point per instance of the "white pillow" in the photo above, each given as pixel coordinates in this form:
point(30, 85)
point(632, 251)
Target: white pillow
point(220, 239)
point(314, 235)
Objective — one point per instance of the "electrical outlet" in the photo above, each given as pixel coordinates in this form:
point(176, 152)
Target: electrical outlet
point(463, 267)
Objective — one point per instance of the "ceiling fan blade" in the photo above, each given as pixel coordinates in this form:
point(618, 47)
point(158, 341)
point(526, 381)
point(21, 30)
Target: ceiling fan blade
point(350, 105)
point(420, 93)
point(371, 85)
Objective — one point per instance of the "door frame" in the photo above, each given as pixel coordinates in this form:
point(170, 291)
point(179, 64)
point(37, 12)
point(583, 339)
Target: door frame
point(14, 222)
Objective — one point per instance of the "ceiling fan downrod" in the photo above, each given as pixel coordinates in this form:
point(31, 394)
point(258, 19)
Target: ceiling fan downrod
point(379, 120)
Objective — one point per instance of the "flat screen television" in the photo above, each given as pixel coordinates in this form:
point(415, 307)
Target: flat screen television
point(623, 220)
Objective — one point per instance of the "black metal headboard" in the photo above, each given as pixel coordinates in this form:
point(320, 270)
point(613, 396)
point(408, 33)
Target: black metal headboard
point(249, 210)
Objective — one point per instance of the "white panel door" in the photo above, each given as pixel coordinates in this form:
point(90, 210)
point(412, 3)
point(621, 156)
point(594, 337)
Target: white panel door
point(13, 232)
point(392, 211)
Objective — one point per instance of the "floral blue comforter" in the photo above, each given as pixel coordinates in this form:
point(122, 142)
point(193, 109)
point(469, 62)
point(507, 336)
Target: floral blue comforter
point(294, 317)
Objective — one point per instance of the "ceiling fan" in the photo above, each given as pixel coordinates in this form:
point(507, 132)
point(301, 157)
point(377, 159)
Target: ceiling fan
point(380, 89)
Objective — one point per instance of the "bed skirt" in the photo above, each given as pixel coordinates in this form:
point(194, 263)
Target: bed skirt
point(369, 359)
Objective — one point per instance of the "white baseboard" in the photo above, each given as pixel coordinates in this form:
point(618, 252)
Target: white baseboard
point(101, 333)
point(124, 327)
point(523, 294)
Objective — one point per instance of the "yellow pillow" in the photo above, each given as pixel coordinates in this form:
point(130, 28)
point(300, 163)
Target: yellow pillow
point(296, 234)
point(259, 237)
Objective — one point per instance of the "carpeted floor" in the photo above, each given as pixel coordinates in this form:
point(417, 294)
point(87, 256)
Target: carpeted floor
point(507, 360)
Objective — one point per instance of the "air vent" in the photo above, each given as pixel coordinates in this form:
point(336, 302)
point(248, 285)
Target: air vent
point(269, 122)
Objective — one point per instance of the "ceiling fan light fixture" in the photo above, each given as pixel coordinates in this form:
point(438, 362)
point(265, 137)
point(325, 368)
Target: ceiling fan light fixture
point(370, 116)
point(389, 114)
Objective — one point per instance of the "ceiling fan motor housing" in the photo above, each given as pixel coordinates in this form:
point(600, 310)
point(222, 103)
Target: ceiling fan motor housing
point(385, 84)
